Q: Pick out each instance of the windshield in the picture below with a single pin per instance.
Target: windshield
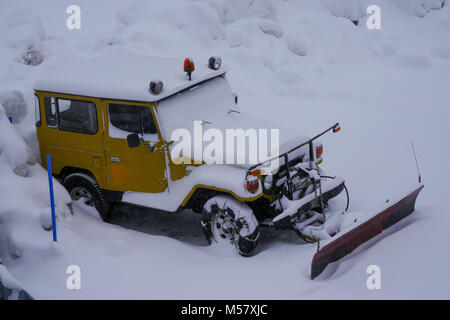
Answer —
(209, 102)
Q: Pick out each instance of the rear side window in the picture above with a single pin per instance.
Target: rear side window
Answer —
(77, 116)
(71, 115)
(37, 112)
(130, 119)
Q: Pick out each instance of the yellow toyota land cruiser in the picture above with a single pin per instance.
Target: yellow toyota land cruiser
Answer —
(108, 124)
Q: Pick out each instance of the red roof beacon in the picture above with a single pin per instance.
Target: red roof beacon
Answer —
(189, 67)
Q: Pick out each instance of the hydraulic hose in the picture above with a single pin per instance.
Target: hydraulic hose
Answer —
(346, 192)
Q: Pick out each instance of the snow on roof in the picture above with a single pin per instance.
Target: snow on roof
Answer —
(123, 75)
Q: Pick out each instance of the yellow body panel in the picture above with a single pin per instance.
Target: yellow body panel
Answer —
(139, 169)
(73, 149)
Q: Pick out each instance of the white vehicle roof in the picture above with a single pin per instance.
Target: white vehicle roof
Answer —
(124, 76)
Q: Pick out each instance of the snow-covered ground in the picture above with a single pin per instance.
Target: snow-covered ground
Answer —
(303, 64)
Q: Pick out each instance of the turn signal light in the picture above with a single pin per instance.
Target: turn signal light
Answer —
(252, 185)
(256, 173)
(319, 151)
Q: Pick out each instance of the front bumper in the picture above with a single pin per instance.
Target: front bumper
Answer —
(293, 209)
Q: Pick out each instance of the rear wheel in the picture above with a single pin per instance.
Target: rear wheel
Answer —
(83, 186)
(226, 220)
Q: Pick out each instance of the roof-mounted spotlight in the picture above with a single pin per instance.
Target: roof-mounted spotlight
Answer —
(189, 67)
(214, 63)
(156, 86)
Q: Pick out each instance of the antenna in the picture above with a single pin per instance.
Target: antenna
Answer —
(417, 164)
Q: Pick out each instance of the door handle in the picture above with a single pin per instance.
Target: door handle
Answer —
(114, 159)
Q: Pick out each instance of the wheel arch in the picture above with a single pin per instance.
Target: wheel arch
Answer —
(68, 170)
(199, 194)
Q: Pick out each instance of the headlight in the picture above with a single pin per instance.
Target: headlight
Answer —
(268, 182)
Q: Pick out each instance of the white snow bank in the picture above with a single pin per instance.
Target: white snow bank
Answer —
(10, 288)
(13, 150)
(21, 221)
(23, 197)
(350, 9)
(232, 10)
(14, 104)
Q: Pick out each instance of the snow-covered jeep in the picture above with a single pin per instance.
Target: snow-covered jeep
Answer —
(108, 124)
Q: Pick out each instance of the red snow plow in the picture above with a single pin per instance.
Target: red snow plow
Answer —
(345, 242)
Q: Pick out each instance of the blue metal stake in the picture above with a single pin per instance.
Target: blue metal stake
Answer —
(52, 197)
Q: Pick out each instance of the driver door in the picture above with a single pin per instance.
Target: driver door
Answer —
(142, 168)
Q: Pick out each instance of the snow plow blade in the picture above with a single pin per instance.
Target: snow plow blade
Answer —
(363, 232)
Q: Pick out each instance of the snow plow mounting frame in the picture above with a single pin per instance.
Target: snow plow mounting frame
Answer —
(285, 156)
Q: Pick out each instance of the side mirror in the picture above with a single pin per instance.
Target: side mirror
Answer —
(133, 140)
(235, 97)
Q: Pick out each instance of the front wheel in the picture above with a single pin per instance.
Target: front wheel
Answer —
(225, 219)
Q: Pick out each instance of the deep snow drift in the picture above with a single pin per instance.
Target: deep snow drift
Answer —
(303, 64)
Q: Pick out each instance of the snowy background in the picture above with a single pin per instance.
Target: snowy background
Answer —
(303, 64)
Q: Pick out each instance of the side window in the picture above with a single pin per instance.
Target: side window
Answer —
(50, 112)
(37, 111)
(77, 116)
(126, 119)
(147, 121)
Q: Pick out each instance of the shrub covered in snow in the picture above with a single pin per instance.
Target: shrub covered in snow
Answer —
(232, 10)
(354, 10)
(419, 7)
(21, 37)
(350, 9)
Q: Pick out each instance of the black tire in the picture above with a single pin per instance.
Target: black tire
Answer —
(245, 244)
(83, 181)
